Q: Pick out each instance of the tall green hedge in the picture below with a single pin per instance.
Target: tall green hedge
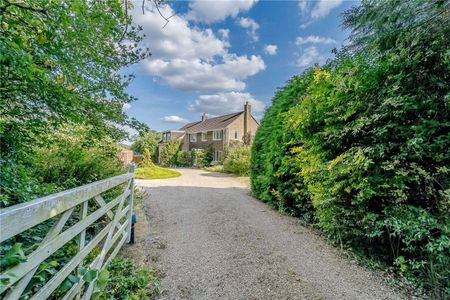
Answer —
(273, 171)
(361, 146)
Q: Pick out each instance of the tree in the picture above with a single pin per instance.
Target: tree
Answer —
(60, 65)
(147, 139)
(60, 62)
(147, 158)
(169, 153)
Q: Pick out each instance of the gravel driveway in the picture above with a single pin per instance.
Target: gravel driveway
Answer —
(212, 240)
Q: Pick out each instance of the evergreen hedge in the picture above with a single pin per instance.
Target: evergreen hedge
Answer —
(361, 145)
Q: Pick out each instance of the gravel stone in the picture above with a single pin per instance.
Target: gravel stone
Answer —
(212, 240)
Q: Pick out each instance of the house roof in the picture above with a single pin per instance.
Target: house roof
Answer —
(209, 124)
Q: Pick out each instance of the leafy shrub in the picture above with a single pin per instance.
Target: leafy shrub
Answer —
(274, 172)
(184, 159)
(73, 157)
(146, 159)
(208, 156)
(198, 156)
(18, 184)
(361, 145)
(215, 168)
(237, 160)
(149, 140)
(168, 156)
(127, 281)
(202, 158)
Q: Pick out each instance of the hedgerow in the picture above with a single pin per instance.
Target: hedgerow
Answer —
(360, 146)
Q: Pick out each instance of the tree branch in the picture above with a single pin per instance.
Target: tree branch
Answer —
(126, 23)
(157, 2)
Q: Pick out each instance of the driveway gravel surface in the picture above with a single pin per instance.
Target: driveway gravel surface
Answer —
(212, 240)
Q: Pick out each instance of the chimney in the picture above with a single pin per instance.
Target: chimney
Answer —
(204, 117)
(247, 116)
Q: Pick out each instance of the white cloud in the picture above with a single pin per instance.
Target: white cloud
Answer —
(309, 57)
(324, 7)
(199, 75)
(214, 11)
(223, 103)
(251, 27)
(192, 58)
(303, 6)
(271, 49)
(176, 39)
(126, 106)
(225, 33)
(314, 39)
(311, 11)
(175, 119)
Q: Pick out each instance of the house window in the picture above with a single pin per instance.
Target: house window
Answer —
(203, 136)
(217, 155)
(193, 137)
(236, 134)
(217, 135)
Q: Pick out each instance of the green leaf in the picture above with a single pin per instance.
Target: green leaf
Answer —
(90, 275)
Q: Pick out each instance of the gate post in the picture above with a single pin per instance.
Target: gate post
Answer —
(130, 203)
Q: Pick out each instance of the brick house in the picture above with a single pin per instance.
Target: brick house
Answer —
(219, 132)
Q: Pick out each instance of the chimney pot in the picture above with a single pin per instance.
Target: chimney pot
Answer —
(204, 117)
(247, 108)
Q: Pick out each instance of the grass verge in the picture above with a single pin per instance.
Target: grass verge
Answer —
(155, 172)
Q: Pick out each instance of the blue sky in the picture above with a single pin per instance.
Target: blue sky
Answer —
(213, 56)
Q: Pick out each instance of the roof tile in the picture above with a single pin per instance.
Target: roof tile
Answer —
(211, 123)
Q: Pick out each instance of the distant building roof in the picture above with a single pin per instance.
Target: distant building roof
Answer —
(209, 124)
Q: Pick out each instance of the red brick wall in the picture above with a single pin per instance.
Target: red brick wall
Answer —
(199, 144)
(126, 156)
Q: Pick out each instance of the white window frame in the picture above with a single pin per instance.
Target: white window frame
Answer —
(217, 135)
(217, 156)
(193, 137)
(236, 135)
(204, 136)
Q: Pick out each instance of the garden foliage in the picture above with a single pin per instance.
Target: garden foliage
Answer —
(147, 139)
(61, 110)
(126, 281)
(237, 160)
(360, 146)
(169, 153)
(173, 156)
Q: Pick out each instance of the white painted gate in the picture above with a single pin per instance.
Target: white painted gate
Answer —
(16, 219)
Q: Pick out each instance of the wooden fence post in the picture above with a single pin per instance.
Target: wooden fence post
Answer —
(130, 203)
